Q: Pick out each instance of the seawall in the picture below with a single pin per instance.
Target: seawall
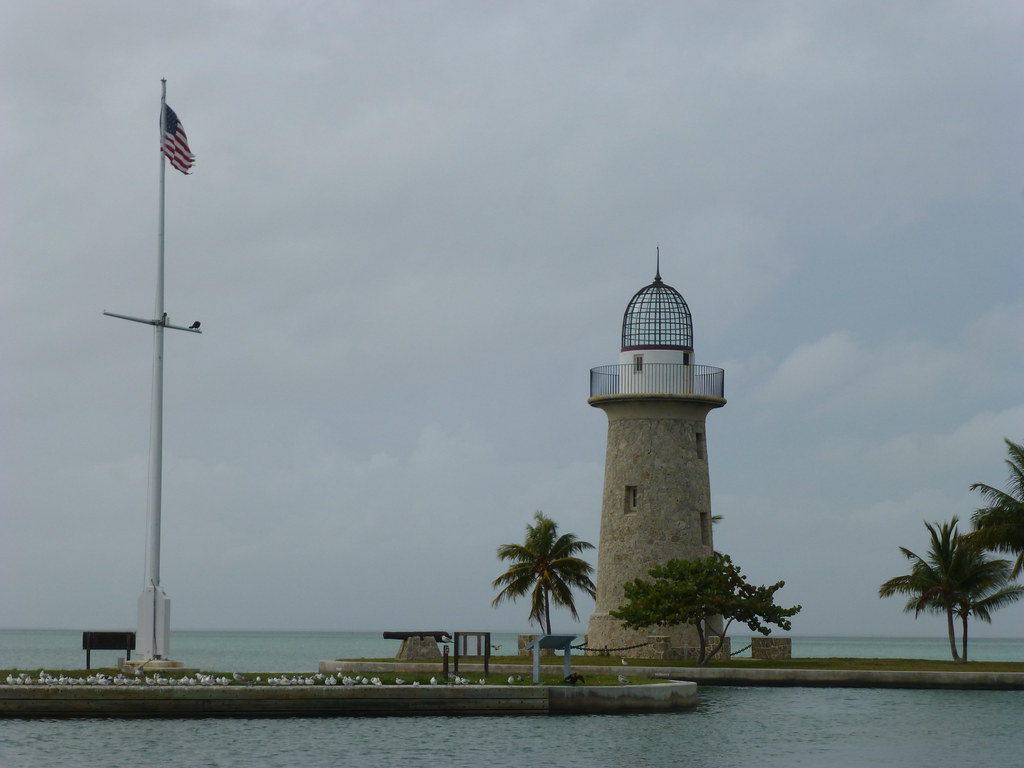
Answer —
(955, 680)
(60, 701)
(811, 678)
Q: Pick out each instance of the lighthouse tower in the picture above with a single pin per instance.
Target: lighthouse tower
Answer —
(657, 492)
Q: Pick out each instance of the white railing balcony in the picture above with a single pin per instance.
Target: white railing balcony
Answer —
(657, 378)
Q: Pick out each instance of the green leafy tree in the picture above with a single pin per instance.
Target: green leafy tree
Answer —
(955, 578)
(695, 592)
(999, 527)
(546, 567)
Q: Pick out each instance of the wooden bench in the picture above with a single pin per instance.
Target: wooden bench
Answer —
(107, 641)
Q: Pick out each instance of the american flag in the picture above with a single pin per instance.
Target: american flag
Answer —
(175, 143)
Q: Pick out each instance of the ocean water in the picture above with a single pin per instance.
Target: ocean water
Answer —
(212, 651)
(33, 650)
(730, 727)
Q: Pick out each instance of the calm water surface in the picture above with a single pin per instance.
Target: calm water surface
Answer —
(732, 727)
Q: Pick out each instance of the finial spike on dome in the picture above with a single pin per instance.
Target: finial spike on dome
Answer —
(657, 269)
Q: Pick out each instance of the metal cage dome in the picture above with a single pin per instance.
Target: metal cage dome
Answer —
(657, 317)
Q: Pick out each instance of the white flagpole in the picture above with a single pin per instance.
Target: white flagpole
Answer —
(154, 606)
(154, 627)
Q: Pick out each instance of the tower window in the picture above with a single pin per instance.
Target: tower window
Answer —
(638, 363)
(631, 498)
(701, 447)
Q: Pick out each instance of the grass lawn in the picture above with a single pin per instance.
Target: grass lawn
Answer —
(298, 678)
(579, 665)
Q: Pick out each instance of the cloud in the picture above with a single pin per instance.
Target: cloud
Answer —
(412, 230)
(812, 369)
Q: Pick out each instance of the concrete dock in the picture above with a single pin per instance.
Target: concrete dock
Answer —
(678, 692)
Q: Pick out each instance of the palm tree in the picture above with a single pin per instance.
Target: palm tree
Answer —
(545, 565)
(957, 579)
(1000, 526)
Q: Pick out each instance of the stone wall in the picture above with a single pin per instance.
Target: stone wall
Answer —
(692, 652)
(771, 648)
(656, 506)
(660, 647)
(418, 648)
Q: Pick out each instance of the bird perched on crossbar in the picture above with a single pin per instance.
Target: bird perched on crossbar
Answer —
(195, 326)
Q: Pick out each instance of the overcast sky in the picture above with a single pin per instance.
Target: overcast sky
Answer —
(412, 229)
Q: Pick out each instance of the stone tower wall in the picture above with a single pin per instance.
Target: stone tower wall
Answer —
(656, 505)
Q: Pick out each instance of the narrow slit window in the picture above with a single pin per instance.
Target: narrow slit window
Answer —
(638, 363)
(631, 498)
(701, 447)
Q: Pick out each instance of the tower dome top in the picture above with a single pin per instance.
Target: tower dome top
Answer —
(657, 317)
